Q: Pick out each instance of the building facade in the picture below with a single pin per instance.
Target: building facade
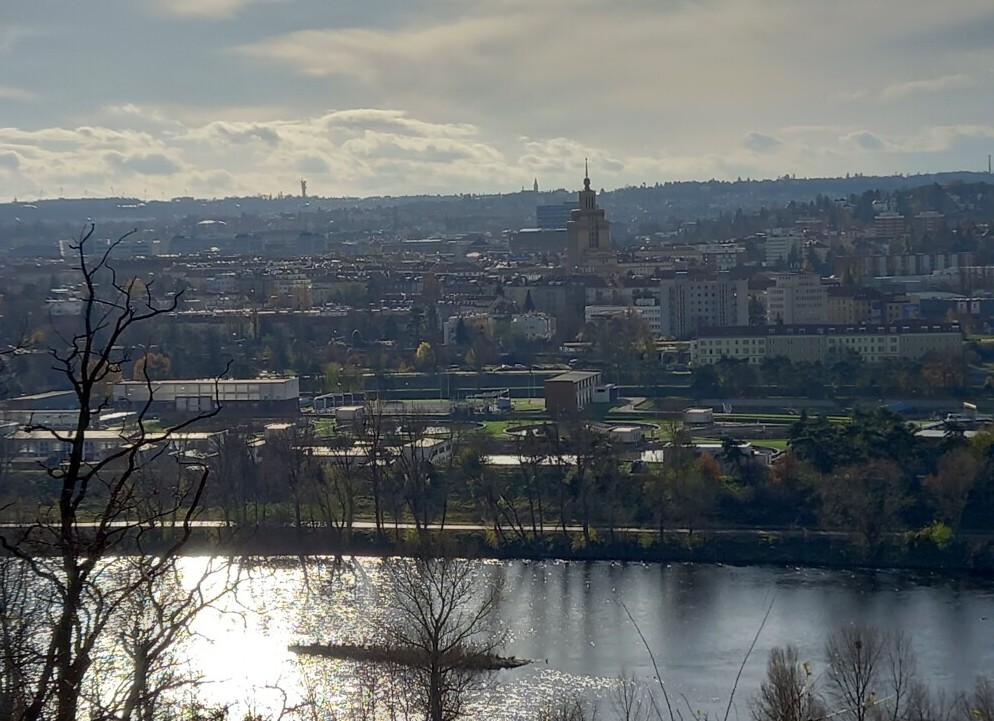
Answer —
(875, 343)
(648, 309)
(589, 248)
(268, 396)
(569, 393)
(535, 325)
(687, 305)
(796, 298)
(783, 249)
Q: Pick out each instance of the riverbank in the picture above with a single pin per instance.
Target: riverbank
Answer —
(966, 554)
(972, 555)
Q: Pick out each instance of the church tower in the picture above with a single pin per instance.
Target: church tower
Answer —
(588, 232)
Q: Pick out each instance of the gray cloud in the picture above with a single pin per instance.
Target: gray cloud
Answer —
(482, 96)
(865, 140)
(245, 133)
(205, 9)
(394, 121)
(18, 94)
(761, 143)
(313, 164)
(898, 91)
(9, 160)
(151, 164)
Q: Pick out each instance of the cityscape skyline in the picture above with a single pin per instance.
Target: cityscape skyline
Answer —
(242, 97)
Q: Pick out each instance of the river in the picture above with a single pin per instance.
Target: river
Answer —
(570, 619)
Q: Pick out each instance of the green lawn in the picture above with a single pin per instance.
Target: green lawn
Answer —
(779, 443)
(497, 429)
(528, 404)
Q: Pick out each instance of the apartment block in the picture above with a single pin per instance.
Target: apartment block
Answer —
(796, 298)
(875, 343)
(688, 305)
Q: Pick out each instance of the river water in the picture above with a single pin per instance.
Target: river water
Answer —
(570, 619)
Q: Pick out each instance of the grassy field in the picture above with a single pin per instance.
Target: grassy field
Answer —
(497, 429)
(528, 404)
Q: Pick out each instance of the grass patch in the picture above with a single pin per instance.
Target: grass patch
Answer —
(497, 429)
(779, 443)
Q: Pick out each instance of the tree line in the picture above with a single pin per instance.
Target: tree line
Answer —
(872, 477)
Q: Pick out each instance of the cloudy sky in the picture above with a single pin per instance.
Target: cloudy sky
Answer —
(158, 98)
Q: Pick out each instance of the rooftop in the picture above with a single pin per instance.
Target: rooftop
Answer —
(573, 376)
(757, 331)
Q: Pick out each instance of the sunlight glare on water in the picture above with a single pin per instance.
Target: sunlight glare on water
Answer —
(568, 619)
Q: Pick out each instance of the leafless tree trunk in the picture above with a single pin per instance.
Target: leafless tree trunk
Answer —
(569, 708)
(855, 659)
(290, 462)
(443, 614)
(101, 511)
(979, 703)
(372, 433)
(424, 490)
(786, 694)
(235, 488)
(632, 701)
(902, 675)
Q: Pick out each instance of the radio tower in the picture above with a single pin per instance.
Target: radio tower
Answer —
(303, 189)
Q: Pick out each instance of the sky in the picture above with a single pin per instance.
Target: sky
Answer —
(154, 99)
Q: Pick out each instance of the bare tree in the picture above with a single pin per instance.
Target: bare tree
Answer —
(443, 614)
(632, 701)
(570, 708)
(20, 622)
(424, 488)
(786, 693)
(141, 666)
(289, 456)
(373, 438)
(532, 456)
(979, 702)
(855, 662)
(589, 446)
(235, 487)
(901, 675)
(336, 489)
(68, 561)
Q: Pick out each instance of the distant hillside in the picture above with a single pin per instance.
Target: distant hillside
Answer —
(685, 200)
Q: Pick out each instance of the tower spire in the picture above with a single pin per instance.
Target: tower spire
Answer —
(586, 174)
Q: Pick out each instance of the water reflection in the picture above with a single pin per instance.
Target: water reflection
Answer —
(567, 617)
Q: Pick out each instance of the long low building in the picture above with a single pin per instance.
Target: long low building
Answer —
(275, 396)
(874, 342)
(55, 446)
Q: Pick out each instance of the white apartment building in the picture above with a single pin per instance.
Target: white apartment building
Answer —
(535, 325)
(687, 305)
(796, 299)
(783, 247)
(875, 343)
(647, 308)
